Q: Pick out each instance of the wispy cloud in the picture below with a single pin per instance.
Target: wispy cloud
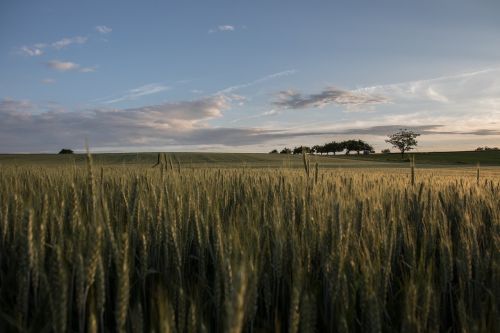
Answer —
(222, 28)
(62, 66)
(231, 89)
(291, 99)
(443, 89)
(32, 50)
(102, 29)
(88, 69)
(65, 42)
(39, 48)
(132, 94)
(65, 66)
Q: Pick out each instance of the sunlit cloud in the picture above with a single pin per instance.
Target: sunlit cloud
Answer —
(62, 66)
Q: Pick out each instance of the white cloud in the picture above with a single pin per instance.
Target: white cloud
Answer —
(48, 81)
(442, 89)
(252, 83)
(102, 29)
(62, 66)
(33, 50)
(135, 93)
(65, 42)
(39, 48)
(88, 69)
(222, 28)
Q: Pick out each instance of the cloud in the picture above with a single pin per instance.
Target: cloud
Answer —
(48, 81)
(222, 28)
(62, 66)
(39, 48)
(291, 99)
(65, 66)
(102, 29)
(33, 50)
(442, 89)
(252, 83)
(135, 93)
(88, 69)
(28, 127)
(65, 42)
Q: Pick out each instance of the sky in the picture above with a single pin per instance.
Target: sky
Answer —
(247, 76)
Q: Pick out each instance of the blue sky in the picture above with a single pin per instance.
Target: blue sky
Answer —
(247, 76)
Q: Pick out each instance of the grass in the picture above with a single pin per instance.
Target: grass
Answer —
(187, 160)
(491, 158)
(260, 160)
(121, 246)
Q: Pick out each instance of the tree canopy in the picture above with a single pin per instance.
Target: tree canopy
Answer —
(404, 140)
(65, 151)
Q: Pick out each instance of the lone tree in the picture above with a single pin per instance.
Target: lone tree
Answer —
(66, 151)
(404, 140)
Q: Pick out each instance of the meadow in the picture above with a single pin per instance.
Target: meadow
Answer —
(221, 243)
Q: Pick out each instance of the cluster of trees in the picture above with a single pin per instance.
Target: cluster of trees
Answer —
(404, 140)
(330, 147)
(486, 148)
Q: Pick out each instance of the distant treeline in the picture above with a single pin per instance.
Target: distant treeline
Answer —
(486, 148)
(331, 147)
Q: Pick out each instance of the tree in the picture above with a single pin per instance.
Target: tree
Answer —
(404, 140)
(351, 145)
(316, 149)
(299, 150)
(361, 145)
(368, 148)
(285, 151)
(274, 151)
(386, 151)
(334, 147)
(65, 151)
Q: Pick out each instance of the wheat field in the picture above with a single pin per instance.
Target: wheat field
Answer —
(180, 249)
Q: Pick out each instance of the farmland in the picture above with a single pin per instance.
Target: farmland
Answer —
(455, 158)
(246, 242)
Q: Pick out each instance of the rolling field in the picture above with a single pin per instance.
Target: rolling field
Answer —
(455, 158)
(187, 160)
(246, 243)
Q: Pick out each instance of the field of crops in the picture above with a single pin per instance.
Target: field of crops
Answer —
(489, 157)
(188, 248)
